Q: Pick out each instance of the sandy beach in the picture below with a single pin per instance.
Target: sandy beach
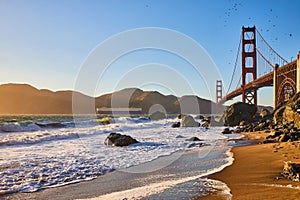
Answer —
(255, 173)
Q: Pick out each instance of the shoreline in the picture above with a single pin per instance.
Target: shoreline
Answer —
(178, 176)
(255, 172)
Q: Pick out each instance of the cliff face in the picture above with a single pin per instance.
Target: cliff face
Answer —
(25, 99)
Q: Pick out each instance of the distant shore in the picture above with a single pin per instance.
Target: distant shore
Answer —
(255, 173)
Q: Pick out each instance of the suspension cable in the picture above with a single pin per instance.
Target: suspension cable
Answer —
(235, 64)
(264, 57)
(270, 46)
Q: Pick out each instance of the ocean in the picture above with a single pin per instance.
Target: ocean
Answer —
(40, 152)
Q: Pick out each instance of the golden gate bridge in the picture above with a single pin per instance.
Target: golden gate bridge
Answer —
(258, 65)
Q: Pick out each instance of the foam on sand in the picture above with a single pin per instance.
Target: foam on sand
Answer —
(158, 187)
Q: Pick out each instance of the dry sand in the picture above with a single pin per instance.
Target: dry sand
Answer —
(255, 173)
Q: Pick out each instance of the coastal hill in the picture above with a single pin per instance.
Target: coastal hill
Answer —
(25, 99)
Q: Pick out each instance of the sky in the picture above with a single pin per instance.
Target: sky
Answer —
(47, 43)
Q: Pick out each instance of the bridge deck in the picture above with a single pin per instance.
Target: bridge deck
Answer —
(263, 81)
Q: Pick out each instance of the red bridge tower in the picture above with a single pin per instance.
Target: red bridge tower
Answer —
(249, 63)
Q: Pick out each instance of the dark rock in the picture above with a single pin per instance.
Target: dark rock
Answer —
(295, 135)
(205, 125)
(195, 145)
(200, 117)
(180, 136)
(189, 121)
(274, 135)
(264, 113)
(269, 141)
(194, 139)
(177, 125)
(116, 139)
(226, 131)
(283, 138)
(157, 115)
(291, 171)
(243, 123)
(238, 112)
(207, 119)
(288, 112)
(238, 130)
(262, 124)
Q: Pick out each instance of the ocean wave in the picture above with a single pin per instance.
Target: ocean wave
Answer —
(16, 127)
(56, 156)
(34, 133)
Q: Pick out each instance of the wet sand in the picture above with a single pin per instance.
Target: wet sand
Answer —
(255, 173)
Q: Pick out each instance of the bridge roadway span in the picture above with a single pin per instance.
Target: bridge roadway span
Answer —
(263, 81)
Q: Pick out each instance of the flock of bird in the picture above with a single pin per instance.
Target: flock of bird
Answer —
(271, 22)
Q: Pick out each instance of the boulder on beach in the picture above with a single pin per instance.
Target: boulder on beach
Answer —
(176, 125)
(289, 112)
(238, 112)
(291, 171)
(205, 125)
(157, 115)
(200, 117)
(189, 121)
(227, 131)
(117, 139)
(264, 113)
(193, 139)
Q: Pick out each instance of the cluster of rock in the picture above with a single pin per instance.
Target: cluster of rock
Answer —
(189, 121)
(283, 124)
(261, 122)
(237, 113)
(289, 112)
(291, 171)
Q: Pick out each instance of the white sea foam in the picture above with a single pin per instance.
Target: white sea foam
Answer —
(33, 160)
(275, 185)
(158, 187)
(11, 127)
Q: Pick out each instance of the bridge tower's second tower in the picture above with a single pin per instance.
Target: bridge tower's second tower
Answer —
(249, 63)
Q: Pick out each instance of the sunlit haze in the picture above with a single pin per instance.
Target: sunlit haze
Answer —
(44, 43)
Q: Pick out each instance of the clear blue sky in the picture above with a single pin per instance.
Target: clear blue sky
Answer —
(44, 42)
